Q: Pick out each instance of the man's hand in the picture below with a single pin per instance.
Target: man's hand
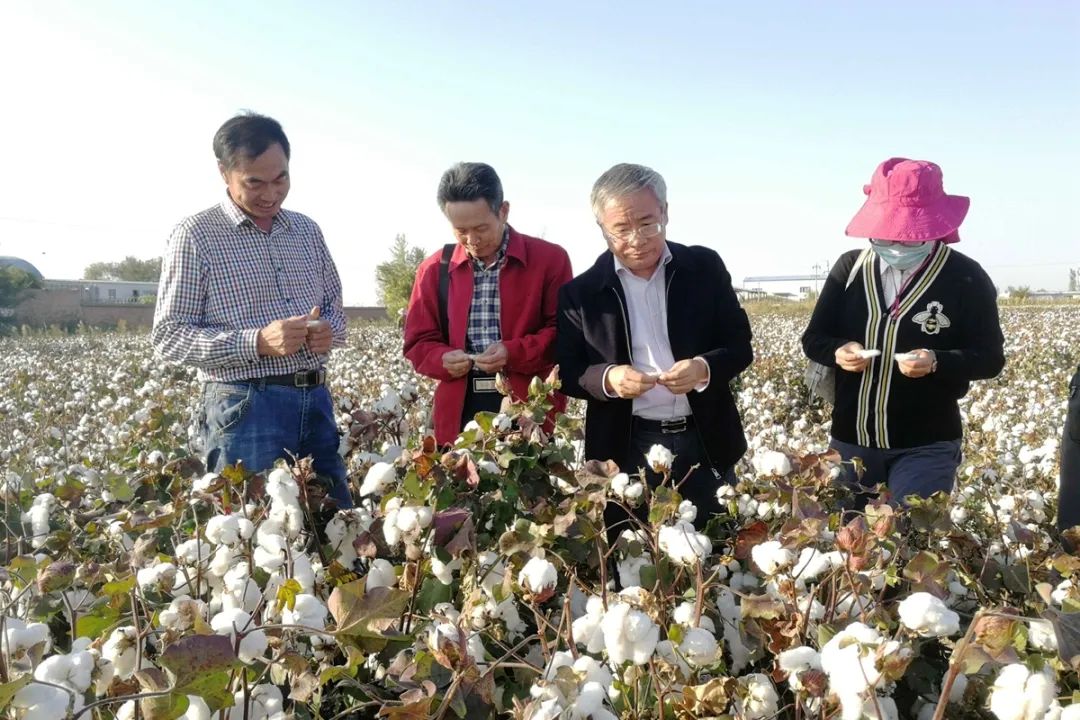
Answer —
(847, 357)
(493, 359)
(628, 383)
(684, 376)
(457, 363)
(918, 363)
(282, 337)
(320, 336)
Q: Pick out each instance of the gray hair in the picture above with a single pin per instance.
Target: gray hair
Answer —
(624, 179)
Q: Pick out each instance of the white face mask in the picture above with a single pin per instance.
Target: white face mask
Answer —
(902, 256)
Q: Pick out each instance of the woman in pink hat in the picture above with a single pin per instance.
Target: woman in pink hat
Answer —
(907, 323)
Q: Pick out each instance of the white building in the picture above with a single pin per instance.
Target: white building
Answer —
(107, 292)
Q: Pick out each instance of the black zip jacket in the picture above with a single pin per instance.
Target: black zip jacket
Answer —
(949, 307)
(704, 319)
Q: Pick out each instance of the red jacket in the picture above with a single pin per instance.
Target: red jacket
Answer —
(529, 285)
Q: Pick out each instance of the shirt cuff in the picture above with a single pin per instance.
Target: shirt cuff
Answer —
(603, 383)
(701, 387)
(249, 345)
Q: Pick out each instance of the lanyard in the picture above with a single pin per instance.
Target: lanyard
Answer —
(894, 309)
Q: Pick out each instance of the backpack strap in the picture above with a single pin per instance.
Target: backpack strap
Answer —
(444, 291)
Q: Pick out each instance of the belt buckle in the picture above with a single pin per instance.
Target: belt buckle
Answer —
(305, 378)
(672, 427)
(484, 385)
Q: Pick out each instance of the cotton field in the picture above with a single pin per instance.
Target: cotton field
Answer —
(478, 582)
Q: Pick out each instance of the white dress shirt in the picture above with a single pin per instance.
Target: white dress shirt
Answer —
(646, 301)
(892, 279)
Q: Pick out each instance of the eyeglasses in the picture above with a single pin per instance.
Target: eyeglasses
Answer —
(645, 232)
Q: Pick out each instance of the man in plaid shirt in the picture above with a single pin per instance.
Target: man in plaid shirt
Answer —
(250, 296)
(502, 299)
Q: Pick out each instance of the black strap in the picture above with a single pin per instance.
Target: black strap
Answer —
(444, 291)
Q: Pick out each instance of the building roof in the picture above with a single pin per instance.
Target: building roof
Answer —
(7, 261)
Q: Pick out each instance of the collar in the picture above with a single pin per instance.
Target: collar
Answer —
(239, 218)
(665, 258)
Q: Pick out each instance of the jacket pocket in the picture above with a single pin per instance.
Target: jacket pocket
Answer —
(227, 405)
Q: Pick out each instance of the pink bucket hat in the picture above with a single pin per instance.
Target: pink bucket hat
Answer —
(908, 204)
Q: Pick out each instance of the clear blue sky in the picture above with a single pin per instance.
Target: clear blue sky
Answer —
(765, 118)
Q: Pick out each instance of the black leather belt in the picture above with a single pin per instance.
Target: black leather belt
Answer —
(665, 427)
(300, 379)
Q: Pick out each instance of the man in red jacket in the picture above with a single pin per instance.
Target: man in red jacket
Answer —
(502, 292)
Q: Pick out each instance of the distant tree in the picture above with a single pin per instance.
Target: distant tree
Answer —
(394, 278)
(130, 268)
(1019, 293)
(14, 283)
(1074, 280)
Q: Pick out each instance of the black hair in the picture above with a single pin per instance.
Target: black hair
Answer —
(469, 181)
(247, 135)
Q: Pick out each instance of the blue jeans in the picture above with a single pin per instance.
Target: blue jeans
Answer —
(922, 470)
(257, 423)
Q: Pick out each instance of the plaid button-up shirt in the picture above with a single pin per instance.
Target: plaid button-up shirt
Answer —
(484, 328)
(223, 279)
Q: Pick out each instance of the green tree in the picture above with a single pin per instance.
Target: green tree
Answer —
(394, 278)
(130, 268)
(13, 285)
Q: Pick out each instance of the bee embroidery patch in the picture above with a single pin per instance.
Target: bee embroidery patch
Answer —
(932, 319)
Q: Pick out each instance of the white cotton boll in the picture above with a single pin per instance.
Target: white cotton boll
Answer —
(724, 494)
(687, 511)
(197, 709)
(1041, 636)
(589, 701)
(1071, 712)
(266, 703)
(161, 575)
(886, 706)
(799, 659)
(42, 701)
(444, 572)
(683, 544)
(771, 463)
(194, 551)
(684, 615)
(659, 458)
(629, 634)
(120, 650)
(730, 624)
(226, 529)
(586, 629)
(381, 574)
(538, 576)
(307, 610)
(666, 651)
(224, 559)
(379, 477)
(507, 613)
(181, 613)
(811, 565)
(629, 570)
(38, 519)
(270, 552)
(303, 572)
(491, 570)
(771, 556)
(928, 616)
(698, 646)
(760, 700)
(230, 622)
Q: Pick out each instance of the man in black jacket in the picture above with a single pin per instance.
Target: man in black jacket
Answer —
(651, 336)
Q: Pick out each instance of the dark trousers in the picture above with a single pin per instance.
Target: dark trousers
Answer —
(1069, 495)
(922, 470)
(699, 488)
